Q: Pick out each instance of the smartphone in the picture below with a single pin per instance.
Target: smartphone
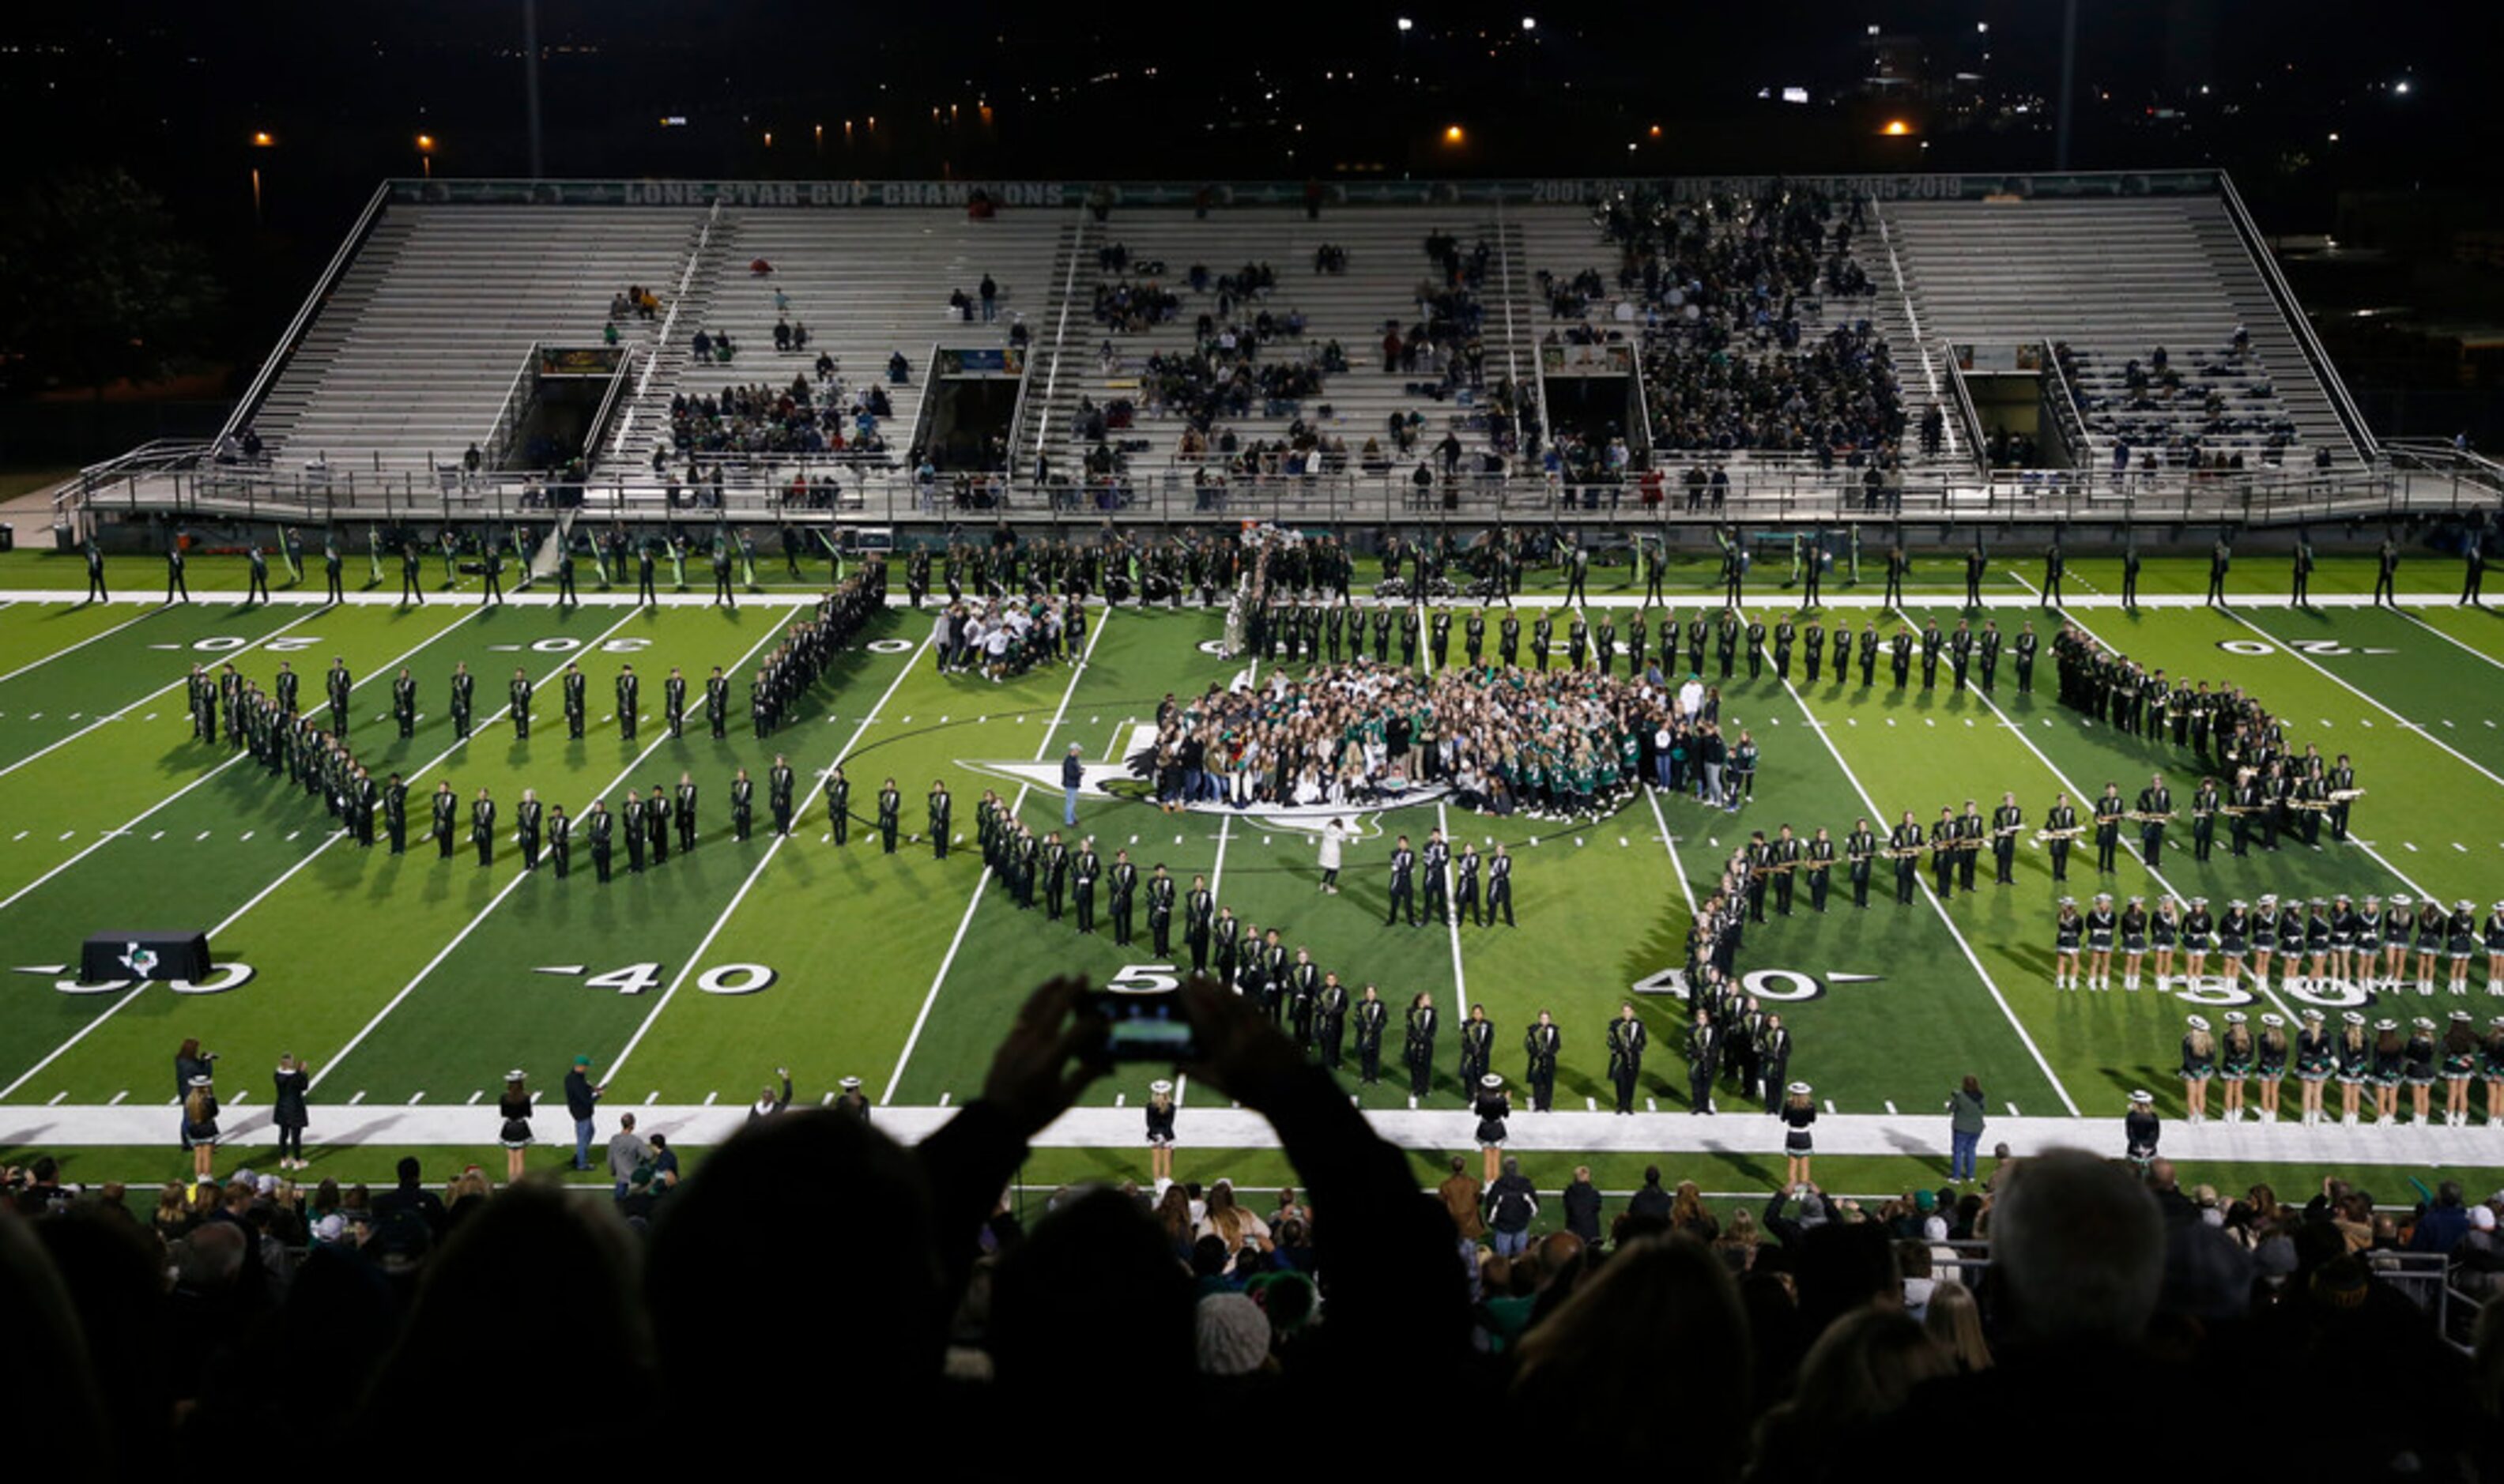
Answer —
(1147, 1025)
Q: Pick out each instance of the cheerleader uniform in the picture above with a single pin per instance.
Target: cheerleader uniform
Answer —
(2316, 933)
(2199, 929)
(2495, 932)
(2316, 1054)
(2356, 1062)
(2291, 930)
(2368, 932)
(2396, 923)
(2264, 931)
(2343, 927)
(2490, 1055)
(2164, 931)
(2234, 932)
(2464, 935)
(515, 1108)
(2387, 1064)
(2099, 931)
(1796, 1142)
(2066, 933)
(2269, 1056)
(1160, 1124)
(2459, 1064)
(2134, 930)
(1492, 1109)
(2431, 930)
(2418, 1059)
(2196, 1065)
(2234, 1063)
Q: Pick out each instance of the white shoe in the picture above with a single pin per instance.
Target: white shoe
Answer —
(2386, 1120)
(2346, 1120)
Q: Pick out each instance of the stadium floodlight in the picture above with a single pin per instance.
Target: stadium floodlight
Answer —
(1407, 24)
(2400, 86)
(1530, 22)
(1453, 134)
(1896, 128)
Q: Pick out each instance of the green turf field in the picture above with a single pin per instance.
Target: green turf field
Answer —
(411, 983)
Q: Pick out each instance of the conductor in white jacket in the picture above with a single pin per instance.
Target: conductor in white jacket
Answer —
(1333, 849)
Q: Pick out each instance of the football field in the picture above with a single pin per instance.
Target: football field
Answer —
(412, 983)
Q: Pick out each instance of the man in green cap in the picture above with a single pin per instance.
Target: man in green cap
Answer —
(582, 1100)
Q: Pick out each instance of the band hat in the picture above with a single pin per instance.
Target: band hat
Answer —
(2198, 1022)
(201, 1079)
(2274, 1021)
(2236, 1017)
(2354, 1017)
(2463, 1016)
(2372, 897)
(2312, 1015)
(1161, 1087)
(1799, 1089)
(850, 1084)
(2423, 1024)
(2199, 901)
(2141, 1098)
(2239, 905)
(515, 1074)
(2463, 904)
(2387, 1025)
(1491, 1081)
(2321, 901)
(2134, 901)
(2069, 901)
(2498, 1022)
(2400, 899)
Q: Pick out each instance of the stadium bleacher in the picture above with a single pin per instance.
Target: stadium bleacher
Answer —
(414, 355)
(2113, 280)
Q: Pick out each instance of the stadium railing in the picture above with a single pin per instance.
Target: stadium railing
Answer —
(2359, 432)
(188, 482)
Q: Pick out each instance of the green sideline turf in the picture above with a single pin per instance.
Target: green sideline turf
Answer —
(416, 978)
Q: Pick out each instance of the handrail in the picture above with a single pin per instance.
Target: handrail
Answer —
(1060, 347)
(502, 431)
(1977, 442)
(2077, 423)
(289, 338)
(661, 343)
(598, 433)
(1913, 319)
(2307, 344)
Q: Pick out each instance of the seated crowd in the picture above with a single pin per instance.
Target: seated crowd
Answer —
(2116, 1319)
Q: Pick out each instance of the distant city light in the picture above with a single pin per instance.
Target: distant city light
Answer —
(2334, 136)
(1408, 24)
(261, 139)
(1982, 27)
(1530, 22)
(1873, 31)
(1453, 134)
(674, 120)
(1897, 127)
(2400, 86)
(1795, 95)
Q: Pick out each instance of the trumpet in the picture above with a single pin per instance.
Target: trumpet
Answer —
(2071, 833)
(2343, 795)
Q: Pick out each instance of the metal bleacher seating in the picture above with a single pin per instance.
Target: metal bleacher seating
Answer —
(2113, 280)
(1385, 264)
(866, 284)
(413, 355)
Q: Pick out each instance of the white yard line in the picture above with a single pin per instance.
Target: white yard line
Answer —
(1677, 868)
(2127, 843)
(2294, 653)
(81, 645)
(219, 931)
(1452, 917)
(2464, 647)
(2379, 857)
(982, 881)
(1936, 906)
(816, 789)
(120, 711)
(773, 631)
(135, 820)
